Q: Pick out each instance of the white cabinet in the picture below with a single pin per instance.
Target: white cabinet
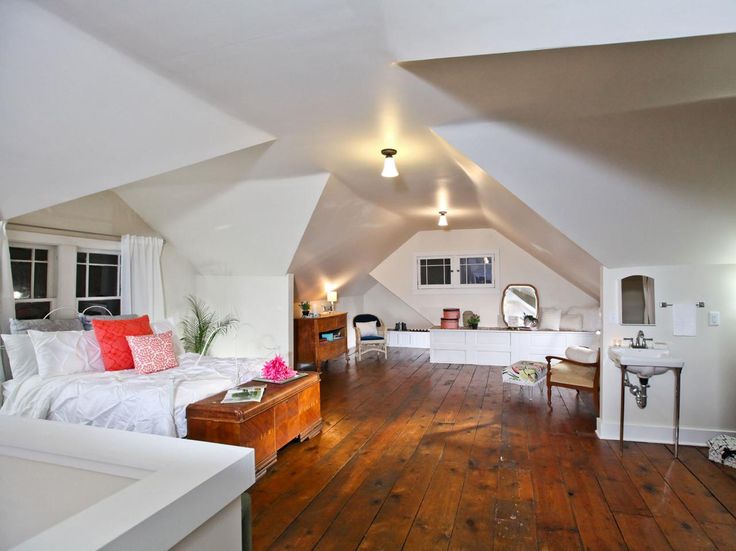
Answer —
(498, 347)
(408, 339)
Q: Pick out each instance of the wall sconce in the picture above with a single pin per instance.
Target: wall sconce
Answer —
(443, 218)
(389, 164)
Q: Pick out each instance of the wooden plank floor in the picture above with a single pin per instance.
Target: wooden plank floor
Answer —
(426, 456)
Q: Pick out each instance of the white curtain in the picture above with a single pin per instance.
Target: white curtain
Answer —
(7, 302)
(141, 284)
(648, 284)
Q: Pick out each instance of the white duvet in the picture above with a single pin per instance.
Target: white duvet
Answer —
(154, 404)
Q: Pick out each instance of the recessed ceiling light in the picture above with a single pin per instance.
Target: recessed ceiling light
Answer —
(389, 164)
(443, 218)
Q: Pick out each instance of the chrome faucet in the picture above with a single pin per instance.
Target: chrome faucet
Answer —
(640, 341)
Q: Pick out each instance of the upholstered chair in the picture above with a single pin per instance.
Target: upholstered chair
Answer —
(579, 370)
(368, 342)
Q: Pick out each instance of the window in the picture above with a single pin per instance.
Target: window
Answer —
(98, 281)
(476, 270)
(31, 271)
(466, 271)
(435, 272)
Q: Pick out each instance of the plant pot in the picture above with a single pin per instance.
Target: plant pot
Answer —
(305, 313)
(473, 325)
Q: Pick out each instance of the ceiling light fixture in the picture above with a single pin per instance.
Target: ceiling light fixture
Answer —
(389, 164)
(443, 218)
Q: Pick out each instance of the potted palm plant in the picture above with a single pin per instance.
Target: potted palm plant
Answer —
(202, 326)
(306, 307)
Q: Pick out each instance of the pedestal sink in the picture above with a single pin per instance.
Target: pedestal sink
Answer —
(646, 363)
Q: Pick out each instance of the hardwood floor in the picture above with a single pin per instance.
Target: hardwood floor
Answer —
(423, 456)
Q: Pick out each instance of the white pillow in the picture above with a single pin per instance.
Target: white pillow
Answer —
(581, 354)
(169, 324)
(591, 317)
(66, 352)
(571, 322)
(367, 328)
(22, 356)
(550, 319)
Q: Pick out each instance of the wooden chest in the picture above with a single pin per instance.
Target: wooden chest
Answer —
(287, 411)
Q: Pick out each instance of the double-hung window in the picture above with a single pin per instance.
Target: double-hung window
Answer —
(98, 281)
(32, 267)
(456, 271)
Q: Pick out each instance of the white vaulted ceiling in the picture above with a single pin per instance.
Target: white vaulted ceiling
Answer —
(543, 121)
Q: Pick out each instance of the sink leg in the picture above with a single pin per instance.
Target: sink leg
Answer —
(621, 422)
(677, 410)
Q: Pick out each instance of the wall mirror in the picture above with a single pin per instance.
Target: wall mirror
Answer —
(637, 300)
(519, 301)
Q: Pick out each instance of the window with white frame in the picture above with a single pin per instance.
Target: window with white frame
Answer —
(456, 271)
(98, 281)
(32, 271)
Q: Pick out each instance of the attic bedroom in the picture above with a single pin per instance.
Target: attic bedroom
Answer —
(349, 275)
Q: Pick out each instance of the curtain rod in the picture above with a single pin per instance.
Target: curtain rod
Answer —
(19, 226)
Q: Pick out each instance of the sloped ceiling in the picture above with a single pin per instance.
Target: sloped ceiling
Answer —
(134, 90)
(79, 116)
(627, 148)
(224, 221)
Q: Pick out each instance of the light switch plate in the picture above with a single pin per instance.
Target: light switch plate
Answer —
(714, 319)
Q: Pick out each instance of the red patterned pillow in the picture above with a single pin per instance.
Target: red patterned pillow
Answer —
(152, 353)
(111, 336)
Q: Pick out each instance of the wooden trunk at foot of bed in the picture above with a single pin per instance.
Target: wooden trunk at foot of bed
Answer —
(286, 412)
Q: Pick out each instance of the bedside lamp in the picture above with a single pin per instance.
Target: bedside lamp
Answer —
(332, 299)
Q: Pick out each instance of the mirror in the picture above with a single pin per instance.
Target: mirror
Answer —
(520, 301)
(637, 300)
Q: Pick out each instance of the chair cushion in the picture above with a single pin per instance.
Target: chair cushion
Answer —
(366, 317)
(367, 329)
(371, 338)
(581, 354)
(571, 374)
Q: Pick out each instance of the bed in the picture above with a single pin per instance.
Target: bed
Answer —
(154, 403)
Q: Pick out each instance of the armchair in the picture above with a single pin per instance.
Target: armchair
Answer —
(582, 372)
(368, 343)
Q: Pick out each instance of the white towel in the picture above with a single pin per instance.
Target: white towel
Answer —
(683, 320)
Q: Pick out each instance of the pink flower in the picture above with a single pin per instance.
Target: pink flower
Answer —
(277, 370)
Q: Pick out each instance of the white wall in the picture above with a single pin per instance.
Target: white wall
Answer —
(709, 376)
(397, 274)
(383, 303)
(264, 306)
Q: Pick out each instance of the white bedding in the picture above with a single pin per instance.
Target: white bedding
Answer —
(154, 404)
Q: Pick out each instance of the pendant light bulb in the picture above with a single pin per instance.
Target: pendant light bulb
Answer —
(389, 164)
(443, 218)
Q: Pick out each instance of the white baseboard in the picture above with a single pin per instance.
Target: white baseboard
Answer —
(659, 434)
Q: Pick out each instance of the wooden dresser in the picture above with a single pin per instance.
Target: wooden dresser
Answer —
(287, 411)
(311, 338)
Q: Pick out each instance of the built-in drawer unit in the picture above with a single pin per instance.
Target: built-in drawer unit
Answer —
(408, 339)
(499, 347)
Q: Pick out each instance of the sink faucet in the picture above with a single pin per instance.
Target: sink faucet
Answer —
(640, 341)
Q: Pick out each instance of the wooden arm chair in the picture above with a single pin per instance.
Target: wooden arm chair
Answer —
(368, 343)
(574, 374)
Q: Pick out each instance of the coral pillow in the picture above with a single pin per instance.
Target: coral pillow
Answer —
(152, 353)
(113, 345)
